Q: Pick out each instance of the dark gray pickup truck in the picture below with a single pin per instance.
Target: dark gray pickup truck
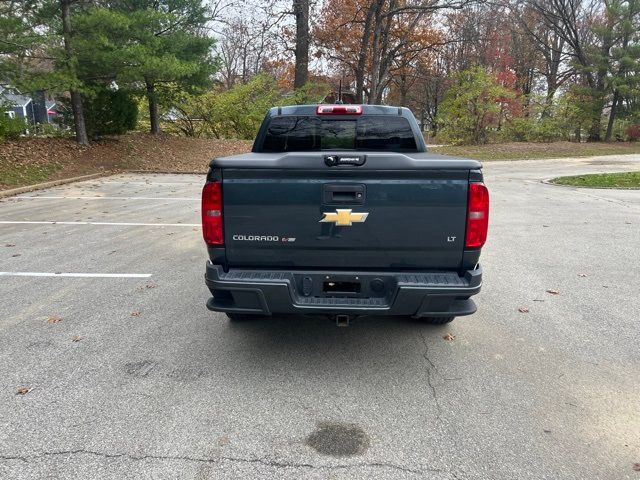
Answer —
(340, 211)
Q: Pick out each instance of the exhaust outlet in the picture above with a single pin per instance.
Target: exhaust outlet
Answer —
(342, 320)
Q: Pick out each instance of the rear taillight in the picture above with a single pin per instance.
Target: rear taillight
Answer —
(212, 213)
(339, 110)
(477, 215)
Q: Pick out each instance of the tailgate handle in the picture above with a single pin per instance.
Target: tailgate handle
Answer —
(343, 194)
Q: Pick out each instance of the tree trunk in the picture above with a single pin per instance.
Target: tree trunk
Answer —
(386, 57)
(76, 98)
(403, 90)
(554, 59)
(364, 46)
(632, 10)
(78, 118)
(375, 57)
(301, 12)
(596, 122)
(548, 103)
(153, 107)
(434, 118)
(600, 90)
(612, 116)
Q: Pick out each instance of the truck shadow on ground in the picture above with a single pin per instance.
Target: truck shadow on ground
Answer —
(302, 343)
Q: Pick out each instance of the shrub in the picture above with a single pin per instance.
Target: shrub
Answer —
(473, 108)
(110, 112)
(11, 128)
(53, 130)
(633, 132)
(548, 129)
(517, 130)
(238, 112)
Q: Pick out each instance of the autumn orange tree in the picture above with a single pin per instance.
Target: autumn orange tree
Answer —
(378, 41)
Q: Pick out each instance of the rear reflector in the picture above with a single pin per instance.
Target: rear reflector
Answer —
(212, 213)
(339, 110)
(477, 215)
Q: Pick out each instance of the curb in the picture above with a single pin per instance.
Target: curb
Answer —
(53, 183)
(549, 182)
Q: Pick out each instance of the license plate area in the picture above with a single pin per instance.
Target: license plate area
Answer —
(336, 287)
(344, 285)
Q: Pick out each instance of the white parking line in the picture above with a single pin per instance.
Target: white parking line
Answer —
(78, 275)
(17, 222)
(96, 197)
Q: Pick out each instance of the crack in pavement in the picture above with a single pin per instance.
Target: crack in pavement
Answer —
(262, 461)
(431, 368)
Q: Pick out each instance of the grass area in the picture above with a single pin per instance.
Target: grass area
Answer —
(533, 151)
(16, 175)
(629, 180)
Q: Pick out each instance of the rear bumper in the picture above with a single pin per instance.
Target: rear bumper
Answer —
(268, 292)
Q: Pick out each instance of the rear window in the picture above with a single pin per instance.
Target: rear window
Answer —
(378, 133)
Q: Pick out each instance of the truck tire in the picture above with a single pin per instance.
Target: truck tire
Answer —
(437, 320)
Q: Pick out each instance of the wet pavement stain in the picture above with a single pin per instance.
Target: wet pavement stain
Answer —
(338, 439)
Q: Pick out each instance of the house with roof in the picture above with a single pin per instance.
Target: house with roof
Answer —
(33, 109)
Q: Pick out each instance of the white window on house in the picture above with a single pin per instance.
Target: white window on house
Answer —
(10, 114)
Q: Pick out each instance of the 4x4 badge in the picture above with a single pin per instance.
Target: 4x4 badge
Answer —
(344, 217)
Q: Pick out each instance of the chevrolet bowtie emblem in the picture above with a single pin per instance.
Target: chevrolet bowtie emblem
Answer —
(344, 217)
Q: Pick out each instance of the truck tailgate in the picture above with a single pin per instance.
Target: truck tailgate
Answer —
(414, 218)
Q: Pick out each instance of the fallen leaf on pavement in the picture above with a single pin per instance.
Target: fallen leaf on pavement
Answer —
(16, 255)
(223, 440)
(449, 338)
(10, 245)
(24, 390)
(523, 309)
(136, 313)
(582, 274)
(54, 319)
(151, 285)
(636, 467)
(546, 431)
(552, 291)
(76, 338)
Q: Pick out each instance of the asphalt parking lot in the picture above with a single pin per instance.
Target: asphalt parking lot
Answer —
(129, 376)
